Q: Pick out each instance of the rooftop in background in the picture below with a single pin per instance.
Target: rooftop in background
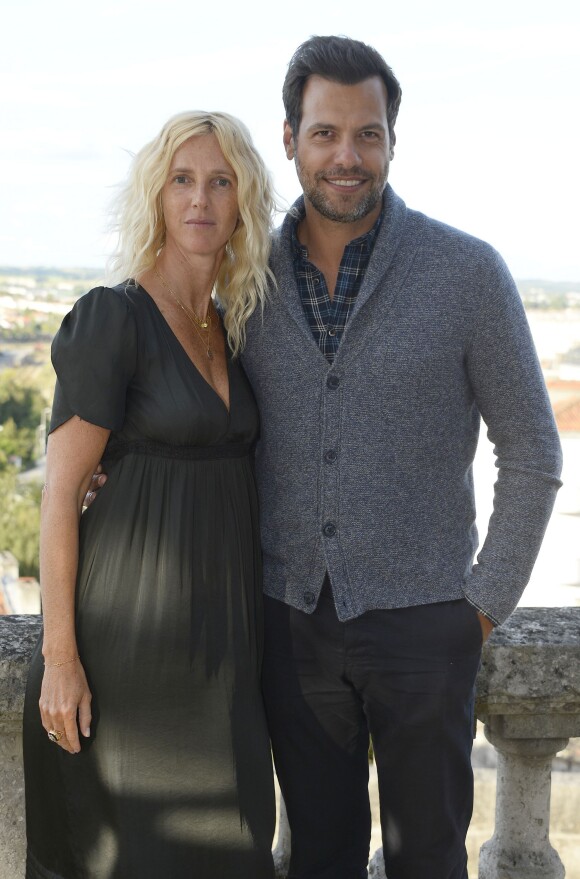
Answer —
(565, 396)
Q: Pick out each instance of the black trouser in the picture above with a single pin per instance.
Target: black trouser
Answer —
(406, 676)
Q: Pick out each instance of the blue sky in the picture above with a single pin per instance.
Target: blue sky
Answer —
(488, 137)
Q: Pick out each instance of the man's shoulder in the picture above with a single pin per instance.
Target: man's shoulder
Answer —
(281, 245)
(283, 232)
(276, 236)
(442, 233)
(449, 248)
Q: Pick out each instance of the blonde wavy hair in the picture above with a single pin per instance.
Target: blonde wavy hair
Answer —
(244, 277)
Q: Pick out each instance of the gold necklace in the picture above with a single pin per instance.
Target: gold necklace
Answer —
(201, 322)
(197, 323)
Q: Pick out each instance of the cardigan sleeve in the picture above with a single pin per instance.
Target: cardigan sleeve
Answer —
(511, 395)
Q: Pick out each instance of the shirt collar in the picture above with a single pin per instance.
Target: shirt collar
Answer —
(367, 240)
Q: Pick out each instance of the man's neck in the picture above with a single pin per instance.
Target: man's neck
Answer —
(326, 239)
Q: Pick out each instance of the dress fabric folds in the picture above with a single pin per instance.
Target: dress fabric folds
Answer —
(176, 778)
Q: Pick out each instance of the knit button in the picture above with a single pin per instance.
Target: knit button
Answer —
(309, 597)
(329, 529)
(317, 280)
(332, 382)
(330, 456)
(332, 332)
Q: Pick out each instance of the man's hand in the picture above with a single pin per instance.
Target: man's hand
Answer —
(486, 624)
(97, 482)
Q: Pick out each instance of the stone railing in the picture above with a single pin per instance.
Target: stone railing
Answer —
(528, 696)
(529, 701)
(18, 635)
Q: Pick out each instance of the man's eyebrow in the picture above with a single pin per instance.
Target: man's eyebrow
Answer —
(330, 126)
(323, 125)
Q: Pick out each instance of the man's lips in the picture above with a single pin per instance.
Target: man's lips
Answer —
(346, 182)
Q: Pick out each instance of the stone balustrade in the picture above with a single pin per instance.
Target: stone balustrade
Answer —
(528, 696)
(529, 700)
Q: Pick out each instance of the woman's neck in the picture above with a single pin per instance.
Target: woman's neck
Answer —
(192, 279)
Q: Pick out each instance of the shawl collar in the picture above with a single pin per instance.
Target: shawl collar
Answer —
(384, 250)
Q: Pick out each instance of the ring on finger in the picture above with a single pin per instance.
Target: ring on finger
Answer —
(55, 735)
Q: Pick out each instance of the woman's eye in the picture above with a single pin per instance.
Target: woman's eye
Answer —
(222, 182)
(180, 178)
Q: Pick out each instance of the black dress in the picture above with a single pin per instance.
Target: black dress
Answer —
(176, 779)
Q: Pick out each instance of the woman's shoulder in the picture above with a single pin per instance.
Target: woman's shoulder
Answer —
(95, 356)
(104, 316)
(103, 305)
(118, 296)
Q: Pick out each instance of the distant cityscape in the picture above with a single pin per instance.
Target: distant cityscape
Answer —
(33, 302)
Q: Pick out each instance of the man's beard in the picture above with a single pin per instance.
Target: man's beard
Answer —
(328, 208)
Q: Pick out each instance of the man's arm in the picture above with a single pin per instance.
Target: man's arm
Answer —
(511, 395)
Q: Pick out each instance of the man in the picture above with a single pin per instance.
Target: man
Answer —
(387, 338)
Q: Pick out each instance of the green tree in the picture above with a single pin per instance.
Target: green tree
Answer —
(20, 521)
(15, 443)
(21, 407)
(20, 401)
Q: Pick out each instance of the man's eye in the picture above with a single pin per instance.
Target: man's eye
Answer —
(369, 135)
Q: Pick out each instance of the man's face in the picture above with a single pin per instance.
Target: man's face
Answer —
(342, 150)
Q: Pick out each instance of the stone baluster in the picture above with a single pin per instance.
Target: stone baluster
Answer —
(520, 847)
(529, 700)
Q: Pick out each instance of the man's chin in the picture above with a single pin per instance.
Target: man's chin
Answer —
(345, 213)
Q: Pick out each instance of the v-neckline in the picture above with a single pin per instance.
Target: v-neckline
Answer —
(188, 358)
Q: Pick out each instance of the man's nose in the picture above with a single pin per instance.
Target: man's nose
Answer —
(347, 152)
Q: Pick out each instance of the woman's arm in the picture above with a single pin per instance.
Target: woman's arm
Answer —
(73, 452)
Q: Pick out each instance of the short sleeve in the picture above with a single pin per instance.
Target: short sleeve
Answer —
(94, 356)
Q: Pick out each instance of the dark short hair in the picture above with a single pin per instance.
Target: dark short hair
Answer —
(342, 60)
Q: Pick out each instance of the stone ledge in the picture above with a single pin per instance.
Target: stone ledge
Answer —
(18, 637)
(531, 665)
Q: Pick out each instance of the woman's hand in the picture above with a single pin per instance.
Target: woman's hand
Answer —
(65, 704)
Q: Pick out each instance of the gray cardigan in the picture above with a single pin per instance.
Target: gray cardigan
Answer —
(364, 467)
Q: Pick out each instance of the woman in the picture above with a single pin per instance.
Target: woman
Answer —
(152, 758)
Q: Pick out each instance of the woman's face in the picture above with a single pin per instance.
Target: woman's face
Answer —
(200, 198)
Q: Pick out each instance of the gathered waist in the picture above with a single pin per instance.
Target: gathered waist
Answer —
(117, 450)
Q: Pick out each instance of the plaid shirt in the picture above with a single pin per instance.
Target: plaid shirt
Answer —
(328, 317)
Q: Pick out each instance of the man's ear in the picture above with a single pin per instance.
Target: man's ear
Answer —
(288, 141)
